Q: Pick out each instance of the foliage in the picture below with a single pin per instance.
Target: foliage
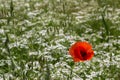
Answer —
(35, 36)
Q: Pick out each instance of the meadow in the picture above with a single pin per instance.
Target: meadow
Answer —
(35, 37)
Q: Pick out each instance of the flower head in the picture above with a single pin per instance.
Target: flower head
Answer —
(81, 51)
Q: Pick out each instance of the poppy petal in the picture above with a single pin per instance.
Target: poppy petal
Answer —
(81, 51)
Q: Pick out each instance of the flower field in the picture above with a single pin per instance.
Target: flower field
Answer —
(36, 36)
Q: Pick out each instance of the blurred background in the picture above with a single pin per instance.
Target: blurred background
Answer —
(35, 37)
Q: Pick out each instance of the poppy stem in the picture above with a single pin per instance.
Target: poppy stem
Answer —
(71, 72)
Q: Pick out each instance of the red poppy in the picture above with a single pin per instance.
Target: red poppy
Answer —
(81, 51)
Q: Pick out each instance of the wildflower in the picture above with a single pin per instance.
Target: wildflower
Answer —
(81, 51)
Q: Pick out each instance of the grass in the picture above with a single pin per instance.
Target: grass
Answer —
(35, 37)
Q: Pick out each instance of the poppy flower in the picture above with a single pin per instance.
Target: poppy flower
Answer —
(81, 51)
